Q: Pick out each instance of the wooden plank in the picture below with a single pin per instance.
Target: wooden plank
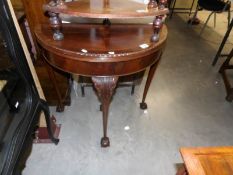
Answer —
(208, 160)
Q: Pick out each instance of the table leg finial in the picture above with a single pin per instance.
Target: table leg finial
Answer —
(162, 4)
(157, 25)
(55, 23)
(152, 4)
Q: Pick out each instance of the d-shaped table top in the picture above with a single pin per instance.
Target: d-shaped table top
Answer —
(84, 45)
(104, 52)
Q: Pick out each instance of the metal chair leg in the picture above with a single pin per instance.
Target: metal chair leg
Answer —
(215, 16)
(229, 18)
(226, 62)
(194, 16)
(191, 8)
(206, 23)
(169, 3)
(173, 7)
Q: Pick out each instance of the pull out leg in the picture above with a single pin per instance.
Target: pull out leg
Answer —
(143, 104)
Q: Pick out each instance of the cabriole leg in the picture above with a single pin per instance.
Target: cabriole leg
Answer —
(105, 87)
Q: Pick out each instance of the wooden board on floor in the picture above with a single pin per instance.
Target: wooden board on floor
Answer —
(208, 160)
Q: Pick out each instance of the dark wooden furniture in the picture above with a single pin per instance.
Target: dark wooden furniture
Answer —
(227, 66)
(128, 80)
(20, 105)
(104, 68)
(106, 9)
(207, 161)
(219, 52)
(104, 52)
(55, 83)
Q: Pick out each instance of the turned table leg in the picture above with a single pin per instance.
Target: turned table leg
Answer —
(105, 87)
(55, 20)
(143, 104)
(56, 25)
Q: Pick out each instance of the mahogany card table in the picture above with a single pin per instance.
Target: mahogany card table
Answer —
(105, 51)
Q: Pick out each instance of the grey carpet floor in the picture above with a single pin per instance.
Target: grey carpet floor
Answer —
(186, 107)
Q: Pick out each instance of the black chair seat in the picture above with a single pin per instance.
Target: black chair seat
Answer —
(214, 5)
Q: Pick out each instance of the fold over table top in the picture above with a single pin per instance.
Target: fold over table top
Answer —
(93, 49)
(106, 9)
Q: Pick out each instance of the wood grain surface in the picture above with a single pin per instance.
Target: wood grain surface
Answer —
(111, 9)
(208, 160)
(97, 50)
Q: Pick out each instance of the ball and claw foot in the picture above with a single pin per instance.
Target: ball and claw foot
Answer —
(143, 105)
(105, 142)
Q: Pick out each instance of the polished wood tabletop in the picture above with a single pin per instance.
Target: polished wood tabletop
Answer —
(106, 9)
(104, 52)
(115, 50)
(208, 160)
